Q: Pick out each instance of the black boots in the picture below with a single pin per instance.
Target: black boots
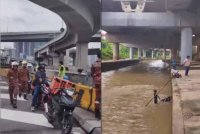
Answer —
(14, 103)
(25, 96)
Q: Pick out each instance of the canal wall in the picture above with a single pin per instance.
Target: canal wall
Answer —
(177, 114)
(186, 103)
(112, 65)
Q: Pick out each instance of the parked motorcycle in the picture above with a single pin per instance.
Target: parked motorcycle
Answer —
(60, 106)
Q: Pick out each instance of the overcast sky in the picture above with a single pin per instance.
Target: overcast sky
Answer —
(23, 15)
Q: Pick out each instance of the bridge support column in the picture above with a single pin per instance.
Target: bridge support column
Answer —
(66, 58)
(116, 51)
(164, 54)
(56, 61)
(61, 57)
(144, 53)
(139, 53)
(157, 52)
(82, 56)
(170, 53)
(186, 43)
(131, 53)
(152, 54)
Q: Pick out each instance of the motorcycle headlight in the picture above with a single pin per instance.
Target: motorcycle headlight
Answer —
(70, 92)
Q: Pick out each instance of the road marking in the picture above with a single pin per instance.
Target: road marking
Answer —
(3, 87)
(3, 82)
(25, 117)
(6, 96)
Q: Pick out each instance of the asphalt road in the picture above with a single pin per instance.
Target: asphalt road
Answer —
(22, 120)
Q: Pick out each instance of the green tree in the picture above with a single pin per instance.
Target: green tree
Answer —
(106, 50)
(124, 52)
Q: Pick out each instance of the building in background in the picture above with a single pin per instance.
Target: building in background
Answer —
(25, 50)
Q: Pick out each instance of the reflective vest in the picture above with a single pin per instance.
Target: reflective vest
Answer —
(61, 72)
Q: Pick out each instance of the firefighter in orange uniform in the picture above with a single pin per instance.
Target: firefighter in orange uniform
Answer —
(96, 74)
(13, 81)
(23, 79)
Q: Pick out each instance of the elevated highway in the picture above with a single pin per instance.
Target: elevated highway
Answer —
(163, 24)
(82, 20)
(42, 36)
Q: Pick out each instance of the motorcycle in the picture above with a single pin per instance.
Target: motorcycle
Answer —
(59, 107)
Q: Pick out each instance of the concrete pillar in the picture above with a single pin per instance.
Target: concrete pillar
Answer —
(139, 53)
(61, 57)
(56, 61)
(170, 53)
(66, 58)
(186, 43)
(131, 54)
(152, 54)
(116, 51)
(164, 54)
(82, 56)
(144, 53)
(157, 51)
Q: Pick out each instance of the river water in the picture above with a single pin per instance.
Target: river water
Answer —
(125, 93)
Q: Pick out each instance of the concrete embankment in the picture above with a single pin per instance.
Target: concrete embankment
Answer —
(186, 103)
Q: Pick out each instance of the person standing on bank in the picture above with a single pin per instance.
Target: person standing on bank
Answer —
(13, 81)
(187, 63)
(62, 70)
(24, 79)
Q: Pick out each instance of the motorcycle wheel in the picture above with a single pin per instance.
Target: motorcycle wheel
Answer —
(67, 125)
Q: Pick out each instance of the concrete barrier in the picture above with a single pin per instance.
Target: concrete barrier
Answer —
(89, 93)
(112, 65)
(88, 98)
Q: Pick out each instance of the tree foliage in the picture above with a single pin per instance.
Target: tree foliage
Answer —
(107, 51)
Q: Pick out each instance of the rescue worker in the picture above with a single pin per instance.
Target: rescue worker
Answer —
(23, 80)
(13, 80)
(96, 74)
(40, 78)
(62, 70)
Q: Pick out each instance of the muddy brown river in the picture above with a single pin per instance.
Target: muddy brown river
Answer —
(125, 93)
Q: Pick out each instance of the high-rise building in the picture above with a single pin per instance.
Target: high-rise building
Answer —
(25, 50)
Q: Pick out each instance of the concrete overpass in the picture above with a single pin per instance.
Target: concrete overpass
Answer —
(82, 19)
(162, 24)
(42, 36)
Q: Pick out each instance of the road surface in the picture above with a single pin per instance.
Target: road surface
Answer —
(22, 120)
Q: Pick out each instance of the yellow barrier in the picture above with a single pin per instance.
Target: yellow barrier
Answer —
(88, 98)
(3, 72)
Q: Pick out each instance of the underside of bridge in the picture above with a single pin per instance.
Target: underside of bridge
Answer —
(82, 20)
(163, 24)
